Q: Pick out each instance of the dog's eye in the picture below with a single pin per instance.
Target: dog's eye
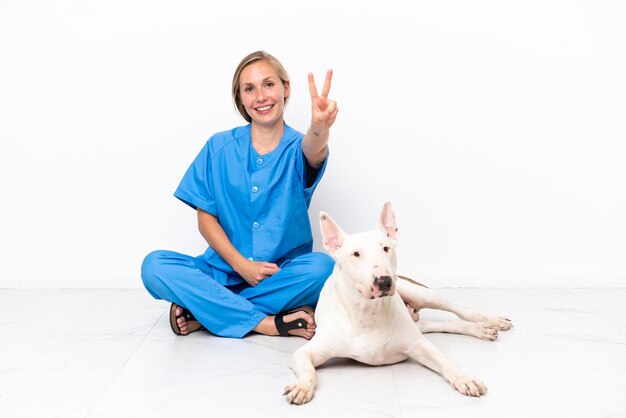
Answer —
(356, 254)
(386, 249)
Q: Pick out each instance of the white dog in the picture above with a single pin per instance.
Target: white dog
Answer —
(362, 312)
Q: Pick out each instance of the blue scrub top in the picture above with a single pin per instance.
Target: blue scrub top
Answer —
(261, 201)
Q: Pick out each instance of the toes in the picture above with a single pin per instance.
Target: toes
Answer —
(491, 333)
(298, 394)
(500, 322)
(182, 325)
(469, 386)
(477, 388)
(291, 392)
(482, 387)
(486, 331)
(474, 390)
(490, 336)
(504, 323)
(306, 332)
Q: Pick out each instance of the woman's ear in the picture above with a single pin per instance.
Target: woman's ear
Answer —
(287, 88)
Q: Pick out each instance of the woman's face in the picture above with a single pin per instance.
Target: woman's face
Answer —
(263, 93)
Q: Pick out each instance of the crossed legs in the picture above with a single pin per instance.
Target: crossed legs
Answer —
(234, 312)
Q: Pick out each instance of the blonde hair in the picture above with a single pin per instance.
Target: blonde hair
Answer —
(249, 59)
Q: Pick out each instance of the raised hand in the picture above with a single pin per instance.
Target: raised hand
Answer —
(324, 111)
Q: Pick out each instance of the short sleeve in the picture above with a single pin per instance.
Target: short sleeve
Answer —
(195, 189)
(308, 186)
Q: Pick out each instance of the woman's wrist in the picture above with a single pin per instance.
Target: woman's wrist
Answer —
(318, 129)
(239, 263)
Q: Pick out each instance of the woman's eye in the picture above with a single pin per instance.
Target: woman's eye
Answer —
(356, 254)
(248, 89)
(269, 85)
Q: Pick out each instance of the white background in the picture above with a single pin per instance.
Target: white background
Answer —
(496, 128)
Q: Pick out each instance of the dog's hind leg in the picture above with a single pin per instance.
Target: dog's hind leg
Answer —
(420, 297)
(471, 315)
(480, 330)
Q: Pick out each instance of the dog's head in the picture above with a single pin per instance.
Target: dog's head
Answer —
(367, 259)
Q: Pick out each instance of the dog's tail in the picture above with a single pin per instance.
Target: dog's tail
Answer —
(411, 281)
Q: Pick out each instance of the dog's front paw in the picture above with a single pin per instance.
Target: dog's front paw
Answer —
(469, 386)
(299, 393)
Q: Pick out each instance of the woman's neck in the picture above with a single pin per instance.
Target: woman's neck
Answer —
(266, 138)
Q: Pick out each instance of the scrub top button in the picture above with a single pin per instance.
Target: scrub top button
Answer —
(256, 225)
(259, 161)
(255, 189)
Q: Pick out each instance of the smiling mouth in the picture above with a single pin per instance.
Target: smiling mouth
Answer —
(264, 109)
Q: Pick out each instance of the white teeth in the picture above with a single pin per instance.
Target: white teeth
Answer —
(263, 109)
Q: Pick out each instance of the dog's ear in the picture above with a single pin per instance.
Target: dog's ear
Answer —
(332, 234)
(387, 222)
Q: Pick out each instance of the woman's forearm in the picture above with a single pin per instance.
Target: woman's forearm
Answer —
(315, 146)
(215, 236)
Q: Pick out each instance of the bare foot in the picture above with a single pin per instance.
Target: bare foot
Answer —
(268, 327)
(185, 326)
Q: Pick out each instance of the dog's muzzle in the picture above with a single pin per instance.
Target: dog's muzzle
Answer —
(382, 286)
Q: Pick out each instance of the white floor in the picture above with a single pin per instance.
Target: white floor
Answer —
(110, 353)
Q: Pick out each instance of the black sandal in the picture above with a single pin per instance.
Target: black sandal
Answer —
(284, 327)
(185, 314)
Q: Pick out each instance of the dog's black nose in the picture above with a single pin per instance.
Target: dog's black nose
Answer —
(384, 283)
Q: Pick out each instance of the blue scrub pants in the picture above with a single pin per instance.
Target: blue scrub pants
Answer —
(234, 311)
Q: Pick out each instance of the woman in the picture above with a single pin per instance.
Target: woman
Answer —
(251, 187)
